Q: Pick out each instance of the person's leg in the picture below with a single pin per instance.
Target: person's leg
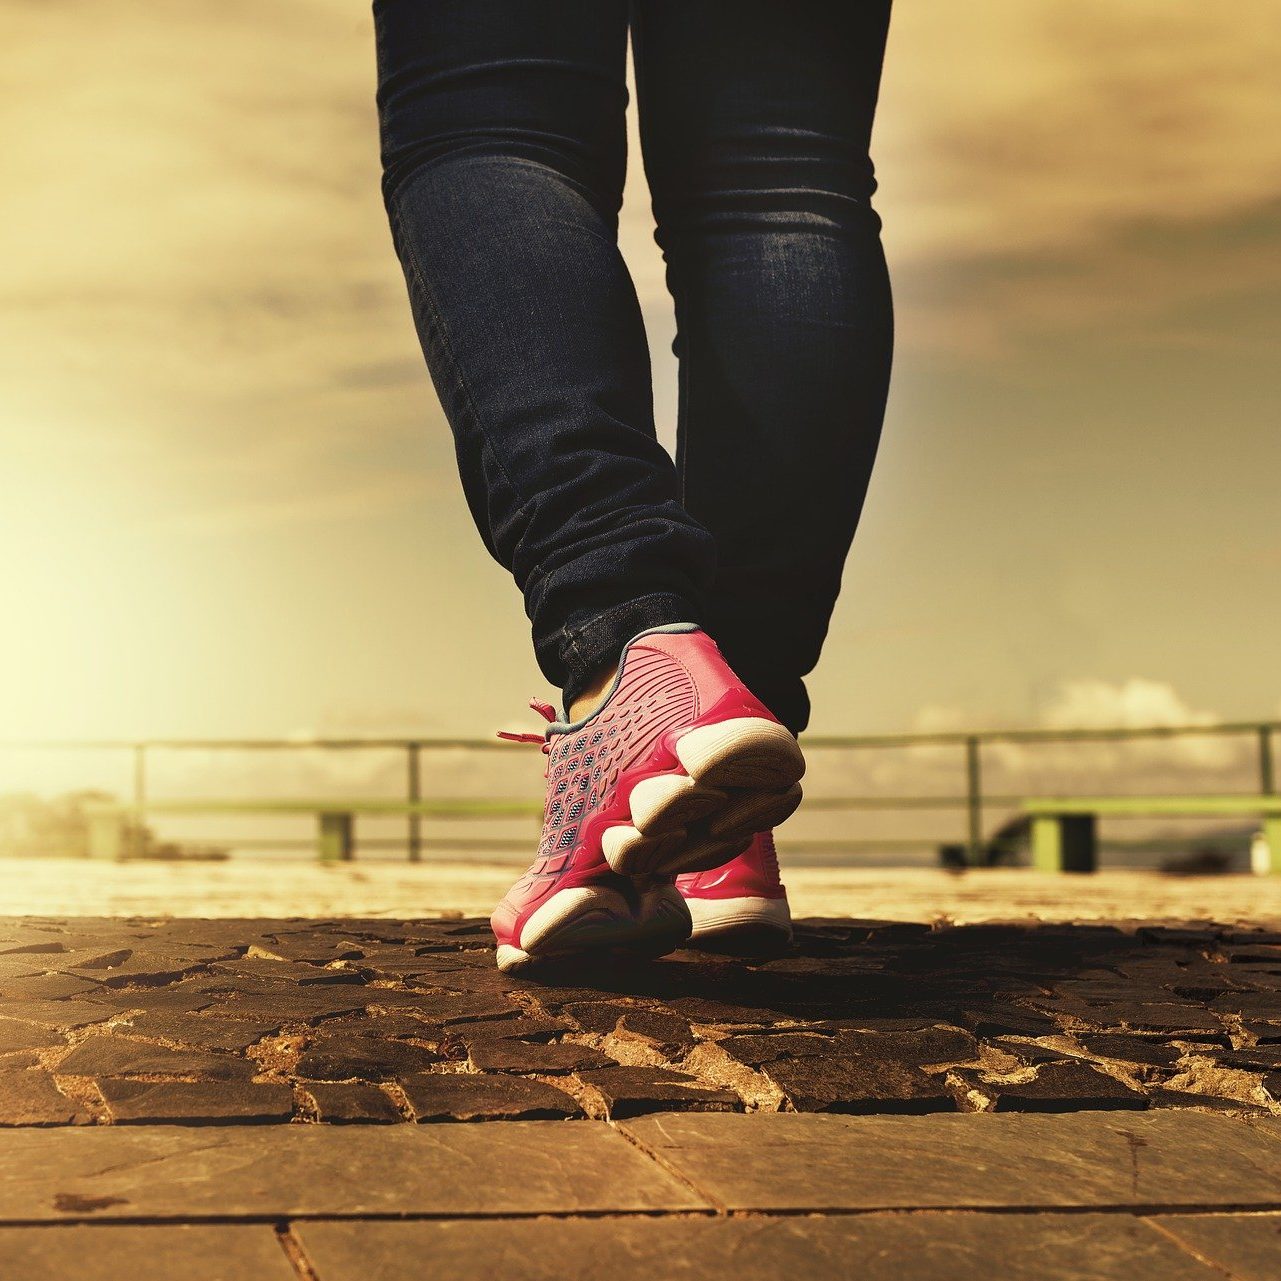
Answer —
(755, 120)
(503, 152)
(504, 148)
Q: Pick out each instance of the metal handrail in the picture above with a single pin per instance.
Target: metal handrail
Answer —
(973, 801)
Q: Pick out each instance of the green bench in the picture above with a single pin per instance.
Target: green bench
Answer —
(1064, 829)
(111, 827)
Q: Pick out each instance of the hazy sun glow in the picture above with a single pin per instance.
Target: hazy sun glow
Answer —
(227, 502)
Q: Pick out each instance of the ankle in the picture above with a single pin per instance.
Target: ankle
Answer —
(593, 695)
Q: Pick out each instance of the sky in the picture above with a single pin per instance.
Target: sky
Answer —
(228, 505)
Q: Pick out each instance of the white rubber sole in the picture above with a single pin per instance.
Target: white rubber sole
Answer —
(736, 778)
(744, 925)
(596, 918)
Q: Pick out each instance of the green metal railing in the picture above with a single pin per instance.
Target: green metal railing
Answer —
(973, 801)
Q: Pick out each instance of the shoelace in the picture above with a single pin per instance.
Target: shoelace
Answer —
(548, 713)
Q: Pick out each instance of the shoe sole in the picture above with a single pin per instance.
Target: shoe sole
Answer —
(736, 778)
(598, 919)
(741, 926)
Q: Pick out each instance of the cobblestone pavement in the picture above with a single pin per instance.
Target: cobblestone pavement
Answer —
(119, 1022)
(1102, 1105)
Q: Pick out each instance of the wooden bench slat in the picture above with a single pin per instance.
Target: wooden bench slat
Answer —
(1182, 806)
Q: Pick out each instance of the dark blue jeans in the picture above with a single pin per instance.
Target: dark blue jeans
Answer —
(504, 149)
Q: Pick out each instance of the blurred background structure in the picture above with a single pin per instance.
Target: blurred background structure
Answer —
(228, 507)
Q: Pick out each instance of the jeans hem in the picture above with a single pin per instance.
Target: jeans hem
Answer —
(589, 647)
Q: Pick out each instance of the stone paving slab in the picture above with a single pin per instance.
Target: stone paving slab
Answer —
(190, 1252)
(180, 1173)
(782, 1162)
(873, 1247)
(1246, 1246)
(255, 1021)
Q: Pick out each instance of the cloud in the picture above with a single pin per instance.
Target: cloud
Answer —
(1157, 764)
(198, 273)
(1035, 125)
(1059, 166)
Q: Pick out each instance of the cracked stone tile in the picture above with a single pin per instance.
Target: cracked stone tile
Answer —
(251, 970)
(463, 1097)
(188, 1102)
(55, 1014)
(1252, 1005)
(853, 1083)
(199, 1030)
(595, 1016)
(45, 987)
(342, 1058)
(1029, 1052)
(1130, 1049)
(1170, 1098)
(522, 1028)
(668, 1033)
(701, 1010)
(391, 1026)
(26, 1036)
(631, 1091)
(106, 1056)
(31, 1098)
(1155, 1017)
(179, 998)
(765, 1047)
(1256, 1057)
(1067, 1087)
(928, 1045)
(313, 951)
(532, 1057)
(997, 1018)
(291, 1005)
(449, 1007)
(358, 1103)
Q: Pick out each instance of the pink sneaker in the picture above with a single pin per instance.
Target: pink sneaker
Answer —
(674, 772)
(741, 907)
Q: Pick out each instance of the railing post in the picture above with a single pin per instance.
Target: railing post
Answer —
(974, 801)
(139, 798)
(415, 794)
(1267, 778)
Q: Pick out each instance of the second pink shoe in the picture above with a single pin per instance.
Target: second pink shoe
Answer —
(741, 907)
(675, 772)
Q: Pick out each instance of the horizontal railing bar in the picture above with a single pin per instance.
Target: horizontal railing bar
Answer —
(256, 744)
(463, 808)
(959, 738)
(372, 807)
(952, 738)
(792, 846)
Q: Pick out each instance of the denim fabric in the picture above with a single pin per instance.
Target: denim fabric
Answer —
(504, 151)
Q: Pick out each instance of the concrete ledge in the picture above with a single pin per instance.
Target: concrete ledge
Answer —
(676, 1162)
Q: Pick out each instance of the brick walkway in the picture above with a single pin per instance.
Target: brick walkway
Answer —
(708, 1090)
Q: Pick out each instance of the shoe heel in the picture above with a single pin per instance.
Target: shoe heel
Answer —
(748, 753)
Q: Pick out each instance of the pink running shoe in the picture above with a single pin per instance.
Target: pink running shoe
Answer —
(674, 772)
(741, 907)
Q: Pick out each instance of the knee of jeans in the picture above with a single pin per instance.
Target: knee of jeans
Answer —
(506, 161)
(831, 194)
